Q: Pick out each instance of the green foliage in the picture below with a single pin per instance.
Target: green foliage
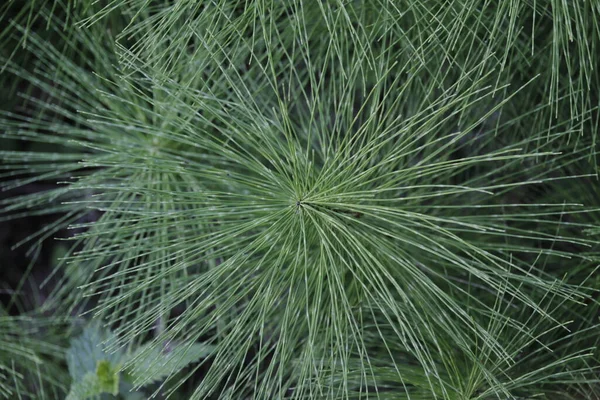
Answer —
(291, 199)
(88, 354)
(95, 371)
(31, 347)
(104, 380)
(150, 363)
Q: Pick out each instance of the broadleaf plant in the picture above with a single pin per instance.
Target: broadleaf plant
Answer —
(312, 199)
(95, 371)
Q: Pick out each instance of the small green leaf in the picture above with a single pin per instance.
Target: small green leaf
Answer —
(108, 376)
(85, 388)
(151, 363)
(88, 349)
(93, 369)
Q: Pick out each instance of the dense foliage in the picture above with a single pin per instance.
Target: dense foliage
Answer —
(324, 199)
